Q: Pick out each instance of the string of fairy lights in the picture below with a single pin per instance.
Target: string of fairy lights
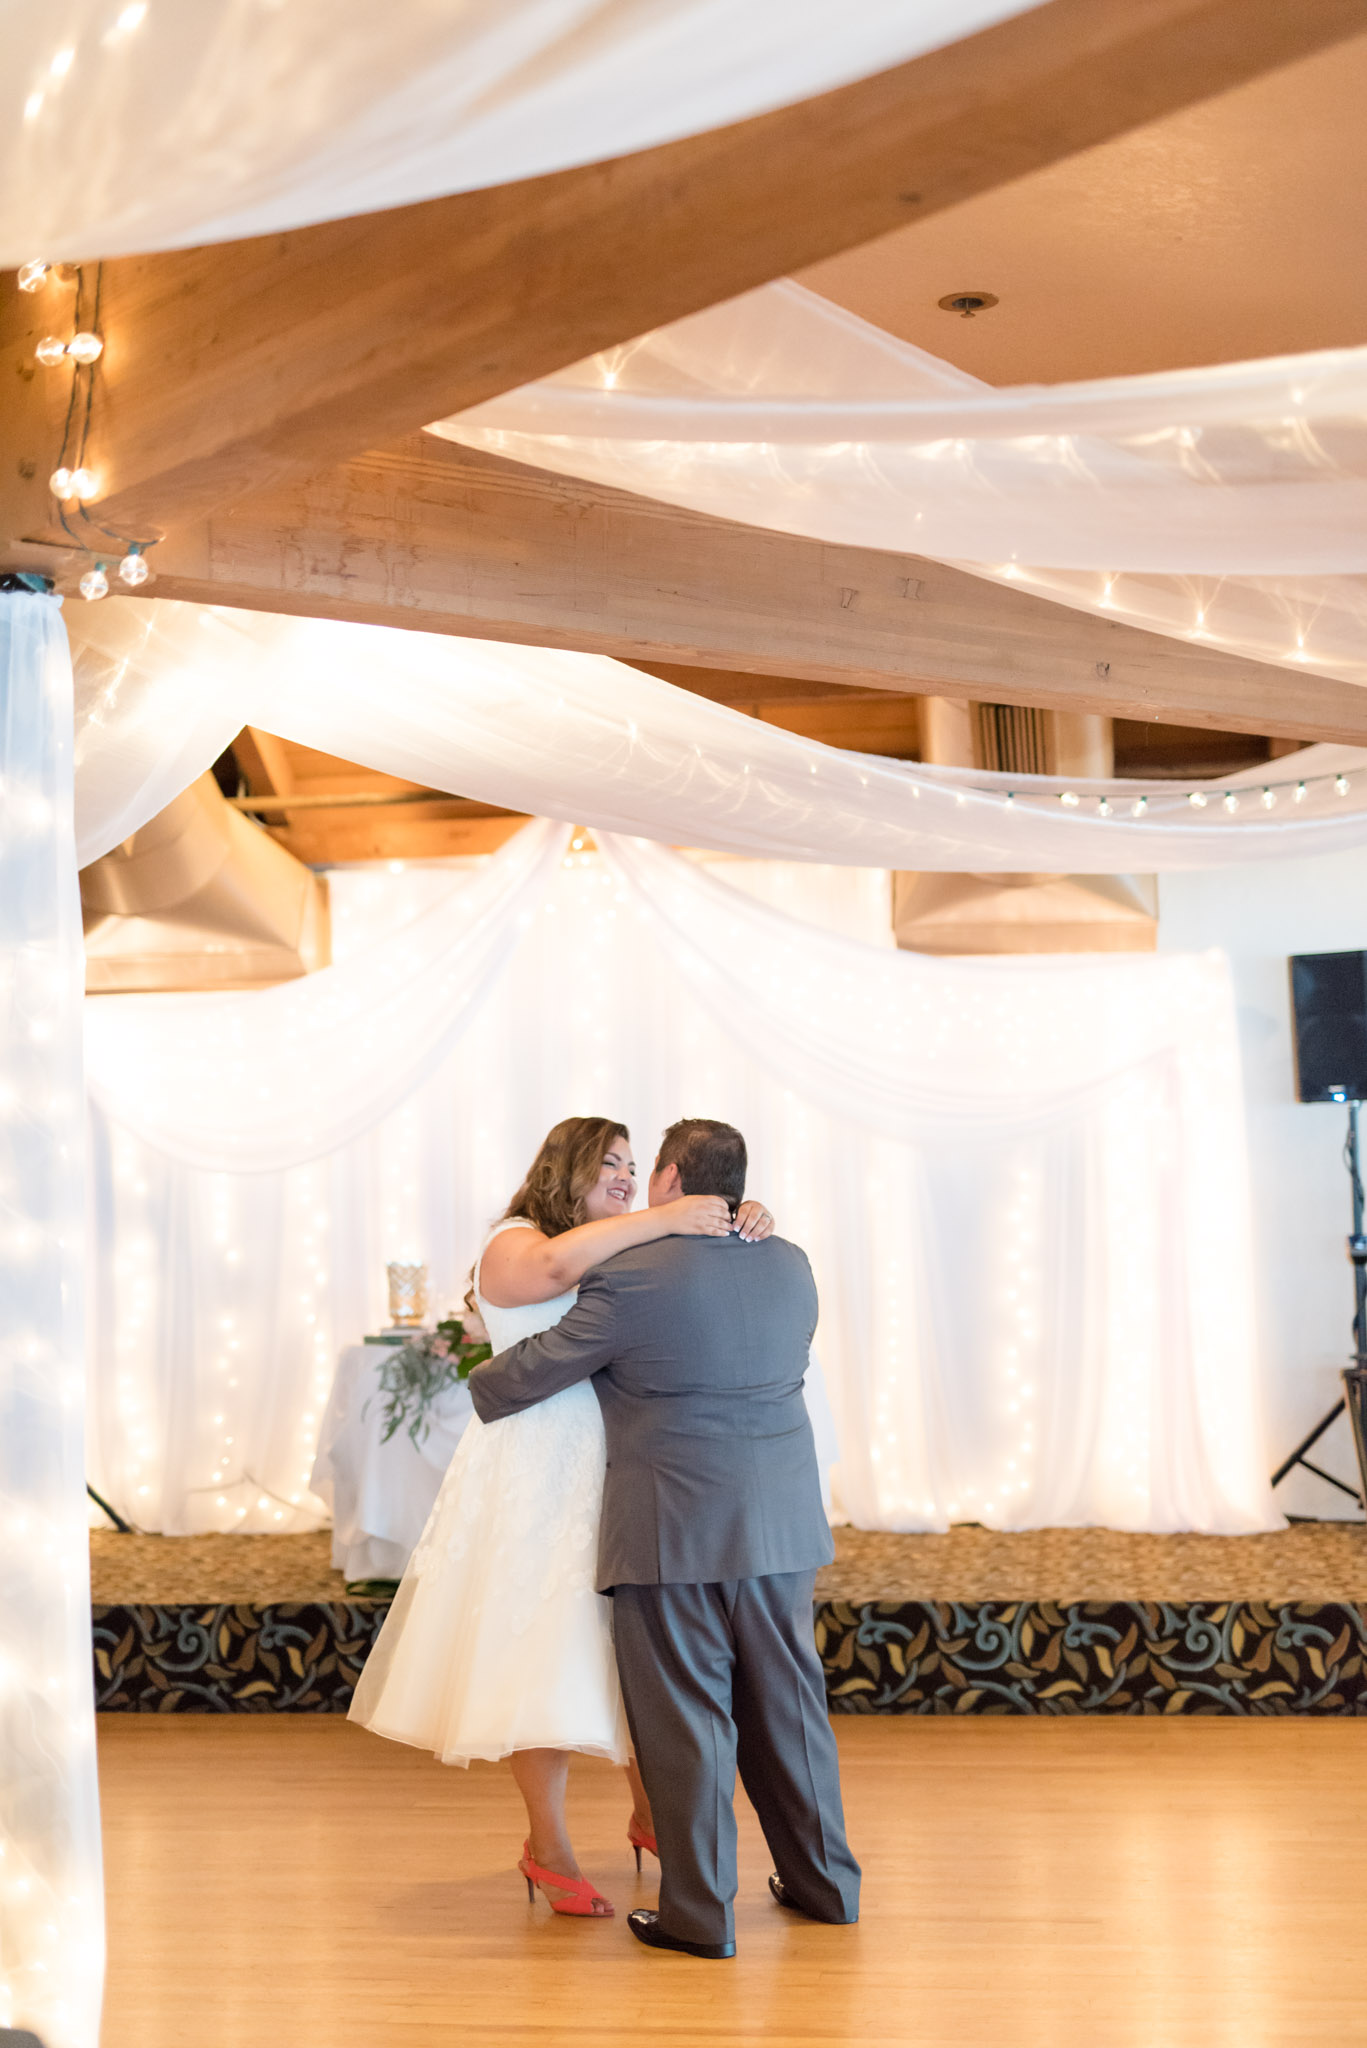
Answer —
(1148, 804)
(74, 483)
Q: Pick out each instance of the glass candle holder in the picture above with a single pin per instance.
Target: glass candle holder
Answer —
(407, 1294)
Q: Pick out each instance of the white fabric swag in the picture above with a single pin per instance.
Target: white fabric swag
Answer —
(1022, 1186)
(131, 128)
(1225, 504)
(162, 688)
(51, 1929)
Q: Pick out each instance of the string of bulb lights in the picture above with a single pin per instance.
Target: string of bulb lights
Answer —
(73, 482)
(1148, 804)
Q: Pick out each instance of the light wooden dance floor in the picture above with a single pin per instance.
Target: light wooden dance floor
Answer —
(1077, 1883)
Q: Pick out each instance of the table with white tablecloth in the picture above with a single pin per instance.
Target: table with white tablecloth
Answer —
(380, 1493)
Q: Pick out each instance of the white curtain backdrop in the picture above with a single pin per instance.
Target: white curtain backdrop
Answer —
(1022, 1186)
(51, 1929)
(1223, 504)
(135, 128)
(162, 687)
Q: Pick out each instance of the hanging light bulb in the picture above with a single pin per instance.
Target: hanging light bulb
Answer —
(85, 347)
(1070, 799)
(1139, 807)
(133, 568)
(59, 483)
(1010, 799)
(1104, 807)
(32, 276)
(1299, 797)
(50, 350)
(1341, 785)
(85, 485)
(1197, 800)
(94, 583)
(1269, 799)
(1231, 801)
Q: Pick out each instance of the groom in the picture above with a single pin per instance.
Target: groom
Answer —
(712, 1532)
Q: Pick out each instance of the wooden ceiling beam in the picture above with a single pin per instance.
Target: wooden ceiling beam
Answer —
(319, 842)
(226, 368)
(442, 539)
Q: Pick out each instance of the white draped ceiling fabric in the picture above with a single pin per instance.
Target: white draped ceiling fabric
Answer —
(131, 128)
(51, 1936)
(161, 688)
(1226, 505)
(1022, 1185)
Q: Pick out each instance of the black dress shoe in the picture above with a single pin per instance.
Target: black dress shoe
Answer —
(779, 1891)
(645, 1925)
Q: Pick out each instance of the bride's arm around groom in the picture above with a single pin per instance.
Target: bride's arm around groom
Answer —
(712, 1532)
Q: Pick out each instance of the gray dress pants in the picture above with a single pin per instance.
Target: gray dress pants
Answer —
(725, 1675)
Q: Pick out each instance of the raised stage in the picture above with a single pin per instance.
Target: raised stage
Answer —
(1056, 1621)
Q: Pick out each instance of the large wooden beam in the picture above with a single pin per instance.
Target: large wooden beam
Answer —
(446, 540)
(228, 367)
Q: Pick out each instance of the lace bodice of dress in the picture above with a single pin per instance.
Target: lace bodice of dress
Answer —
(509, 1325)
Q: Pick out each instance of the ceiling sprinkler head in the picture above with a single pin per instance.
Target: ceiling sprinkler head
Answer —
(966, 304)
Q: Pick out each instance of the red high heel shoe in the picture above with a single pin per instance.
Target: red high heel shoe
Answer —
(639, 1840)
(579, 1896)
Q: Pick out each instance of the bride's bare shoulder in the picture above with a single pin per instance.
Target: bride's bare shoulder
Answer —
(509, 1257)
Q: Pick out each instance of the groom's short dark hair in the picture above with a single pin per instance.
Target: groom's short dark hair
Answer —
(711, 1157)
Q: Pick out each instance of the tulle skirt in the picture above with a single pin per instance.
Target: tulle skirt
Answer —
(497, 1639)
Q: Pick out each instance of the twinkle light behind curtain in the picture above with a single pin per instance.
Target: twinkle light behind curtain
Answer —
(1022, 1186)
(51, 1932)
(1226, 504)
(132, 128)
(162, 688)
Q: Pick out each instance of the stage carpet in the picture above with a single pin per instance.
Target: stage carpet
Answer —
(1056, 1621)
(1081, 1884)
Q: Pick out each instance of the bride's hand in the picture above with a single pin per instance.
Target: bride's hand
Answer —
(753, 1222)
(698, 1216)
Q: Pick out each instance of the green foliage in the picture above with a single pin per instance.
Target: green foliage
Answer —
(415, 1373)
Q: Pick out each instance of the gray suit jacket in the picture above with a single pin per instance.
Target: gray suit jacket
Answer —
(699, 1346)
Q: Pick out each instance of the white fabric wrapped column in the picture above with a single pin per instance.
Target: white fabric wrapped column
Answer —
(51, 1931)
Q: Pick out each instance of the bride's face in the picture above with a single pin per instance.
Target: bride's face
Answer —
(616, 1188)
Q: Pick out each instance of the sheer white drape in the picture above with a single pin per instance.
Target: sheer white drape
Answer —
(302, 1068)
(51, 1931)
(586, 739)
(1022, 1187)
(1223, 504)
(134, 129)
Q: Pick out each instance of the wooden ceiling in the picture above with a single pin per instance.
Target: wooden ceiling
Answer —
(1101, 165)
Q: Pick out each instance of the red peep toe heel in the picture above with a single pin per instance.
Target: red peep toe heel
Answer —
(639, 1840)
(579, 1897)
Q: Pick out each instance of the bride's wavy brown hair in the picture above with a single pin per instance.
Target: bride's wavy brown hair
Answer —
(567, 1166)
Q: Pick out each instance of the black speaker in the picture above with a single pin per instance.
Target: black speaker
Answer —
(1329, 998)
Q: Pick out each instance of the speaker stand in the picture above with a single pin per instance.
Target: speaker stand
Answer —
(1357, 1252)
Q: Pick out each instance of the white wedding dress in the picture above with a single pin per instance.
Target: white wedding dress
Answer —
(497, 1639)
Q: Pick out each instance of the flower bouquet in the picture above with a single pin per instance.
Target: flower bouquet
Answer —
(416, 1372)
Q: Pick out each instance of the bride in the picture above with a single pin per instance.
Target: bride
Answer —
(497, 1644)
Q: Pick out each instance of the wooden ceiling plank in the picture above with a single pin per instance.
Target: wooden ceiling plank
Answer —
(228, 367)
(440, 539)
(264, 762)
(393, 836)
